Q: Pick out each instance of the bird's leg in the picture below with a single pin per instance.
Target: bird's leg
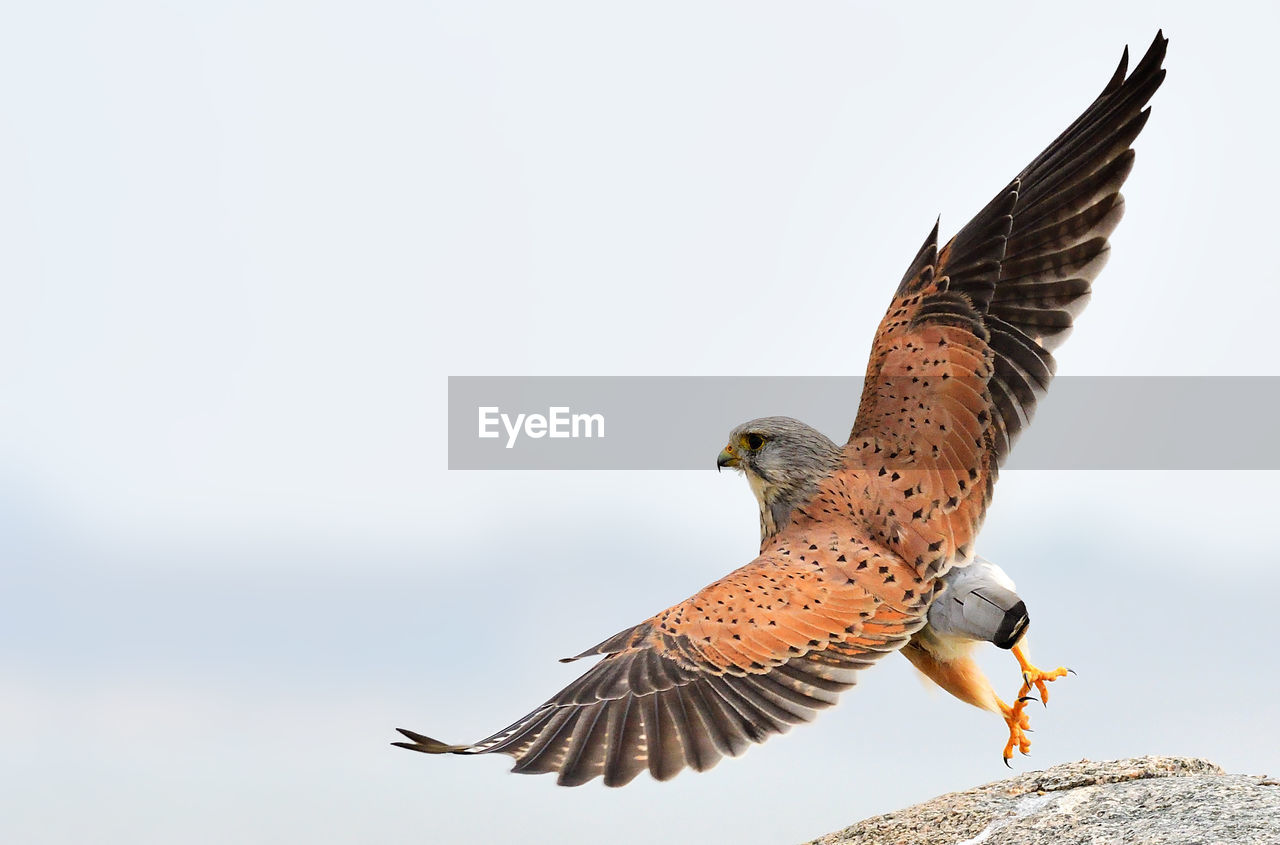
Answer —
(1016, 716)
(1033, 676)
(959, 675)
(1018, 721)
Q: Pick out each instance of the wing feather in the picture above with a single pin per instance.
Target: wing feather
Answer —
(980, 318)
(669, 700)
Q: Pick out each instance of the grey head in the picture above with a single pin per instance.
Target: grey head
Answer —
(784, 461)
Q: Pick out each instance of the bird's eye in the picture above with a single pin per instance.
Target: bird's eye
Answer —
(754, 442)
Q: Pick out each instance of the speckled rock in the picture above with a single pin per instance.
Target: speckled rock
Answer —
(1143, 800)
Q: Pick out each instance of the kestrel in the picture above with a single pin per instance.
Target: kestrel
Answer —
(785, 460)
(957, 366)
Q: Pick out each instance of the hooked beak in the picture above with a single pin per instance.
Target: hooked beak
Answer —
(726, 458)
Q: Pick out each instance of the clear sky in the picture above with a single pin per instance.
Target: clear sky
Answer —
(244, 244)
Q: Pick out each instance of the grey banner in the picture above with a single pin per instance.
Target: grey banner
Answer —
(674, 422)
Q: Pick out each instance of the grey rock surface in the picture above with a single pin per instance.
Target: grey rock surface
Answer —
(1141, 800)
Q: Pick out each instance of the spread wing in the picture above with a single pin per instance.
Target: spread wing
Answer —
(964, 352)
(763, 648)
(957, 366)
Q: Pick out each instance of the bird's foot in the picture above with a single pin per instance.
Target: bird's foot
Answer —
(1019, 722)
(1034, 677)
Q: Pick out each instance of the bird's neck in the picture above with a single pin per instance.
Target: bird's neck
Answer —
(777, 502)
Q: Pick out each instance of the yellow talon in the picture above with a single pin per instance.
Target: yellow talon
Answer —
(1016, 717)
(1033, 676)
(1018, 722)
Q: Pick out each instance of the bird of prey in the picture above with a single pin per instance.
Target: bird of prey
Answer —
(785, 460)
(957, 366)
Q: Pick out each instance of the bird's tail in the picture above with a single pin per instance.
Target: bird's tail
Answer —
(981, 603)
(995, 609)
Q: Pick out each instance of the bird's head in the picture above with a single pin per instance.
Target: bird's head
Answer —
(784, 460)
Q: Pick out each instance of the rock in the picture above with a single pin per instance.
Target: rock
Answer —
(1141, 800)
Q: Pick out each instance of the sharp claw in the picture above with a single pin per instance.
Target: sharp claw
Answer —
(1035, 687)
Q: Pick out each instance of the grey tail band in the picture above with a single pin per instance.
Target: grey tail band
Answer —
(1013, 626)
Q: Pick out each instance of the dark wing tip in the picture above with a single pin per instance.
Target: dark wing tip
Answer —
(925, 258)
(1117, 78)
(1153, 57)
(426, 744)
(1159, 41)
(618, 642)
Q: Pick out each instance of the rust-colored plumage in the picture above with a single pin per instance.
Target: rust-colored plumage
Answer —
(957, 367)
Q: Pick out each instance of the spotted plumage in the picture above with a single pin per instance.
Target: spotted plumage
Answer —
(785, 461)
(956, 368)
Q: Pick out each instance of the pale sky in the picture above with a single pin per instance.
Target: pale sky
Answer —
(246, 243)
